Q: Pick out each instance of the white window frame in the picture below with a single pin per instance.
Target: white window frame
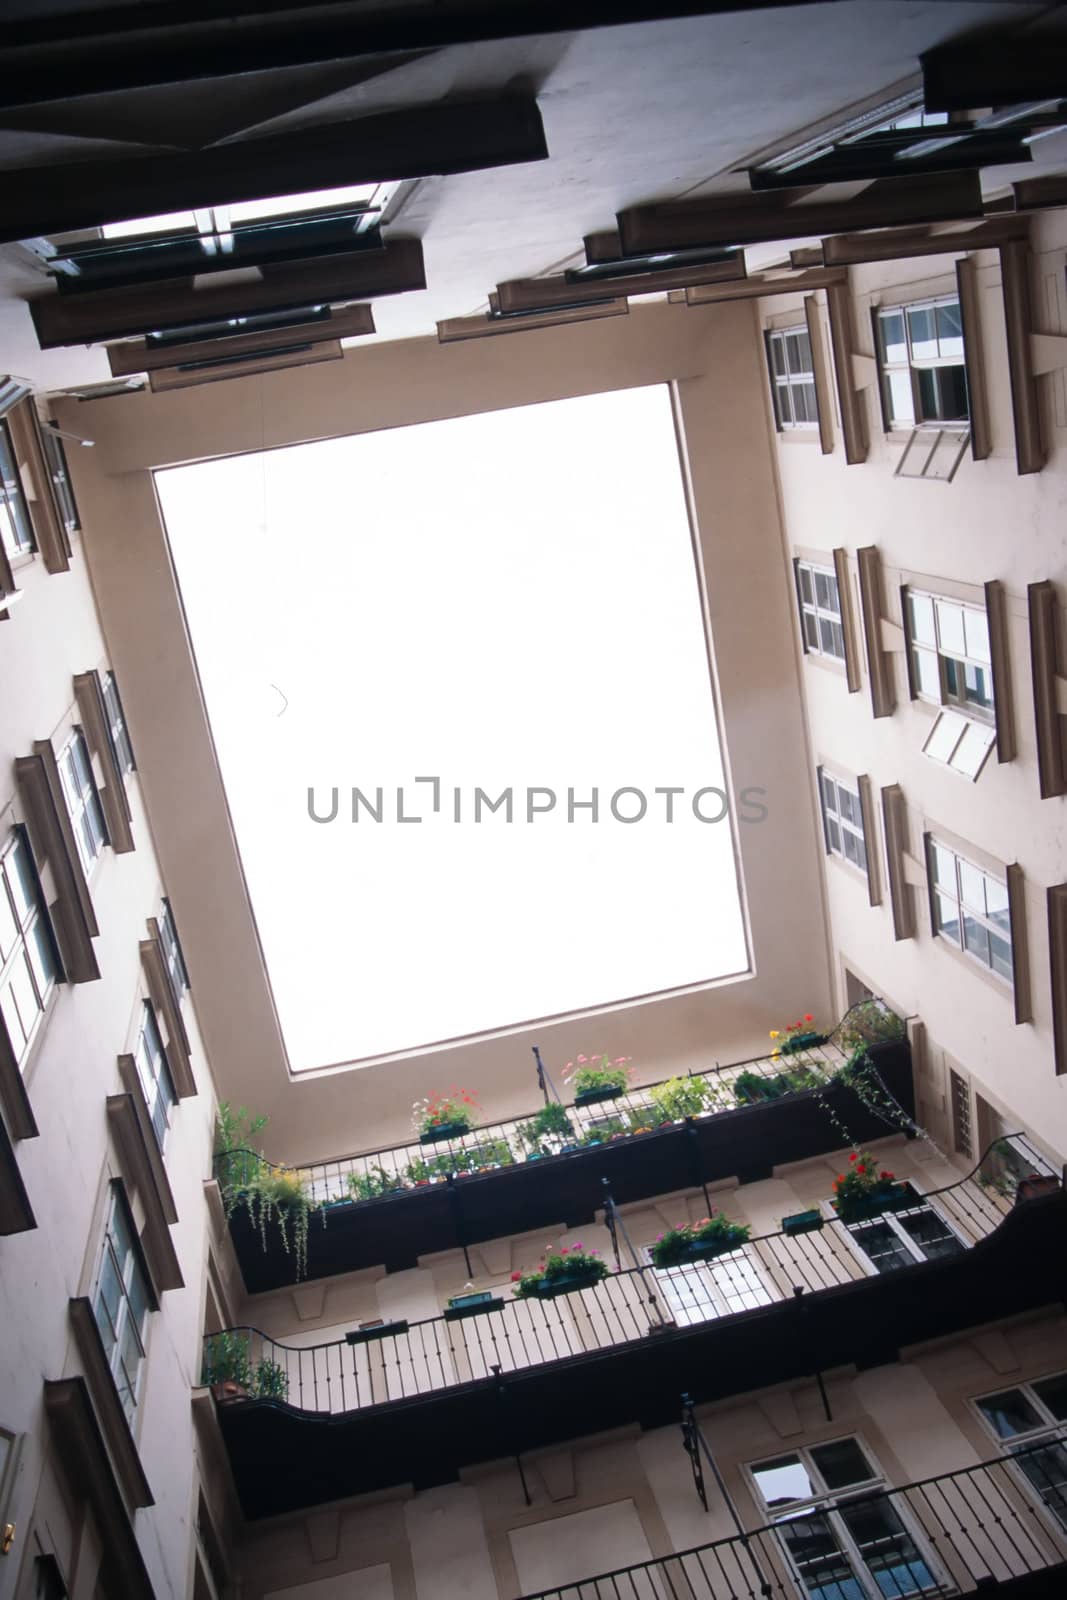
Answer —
(828, 1502)
(171, 950)
(783, 383)
(834, 818)
(702, 1291)
(153, 1071)
(964, 910)
(31, 931)
(16, 525)
(942, 658)
(128, 1269)
(118, 732)
(911, 1246)
(913, 365)
(83, 801)
(1051, 1430)
(814, 610)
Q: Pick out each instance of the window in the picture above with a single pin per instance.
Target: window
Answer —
(56, 460)
(83, 801)
(16, 529)
(820, 610)
(154, 1074)
(842, 816)
(792, 378)
(920, 348)
(948, 648)
(962, 1138)
(28, 965)
(121, 748)
(843, 1537)
(970, 909)
(1030, 1421)
(715, 1288)
(173, 958)
(121, 1301)
(901, 1238)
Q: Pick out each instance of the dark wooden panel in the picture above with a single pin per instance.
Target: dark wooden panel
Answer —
(454, 329)
(544, 294)
(999, 70)
(760, 218)
(900, 244)
(214, 371)
(114, 313)
(1018, 320)
(1044, 664)
(849, 400)
(133, 356)
(880, 156)
(420, 141)
(1057, 957)
(973, 362)
(764, 283)
(16, 1213)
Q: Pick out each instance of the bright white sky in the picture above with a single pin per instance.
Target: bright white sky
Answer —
(498, 600)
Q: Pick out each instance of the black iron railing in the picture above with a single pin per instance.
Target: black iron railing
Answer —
(503, 1144)
(381, 1364)
(948, 1535)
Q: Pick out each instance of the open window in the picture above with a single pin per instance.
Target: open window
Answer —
(1029, 1422)
(901, 1238)
(924, 388)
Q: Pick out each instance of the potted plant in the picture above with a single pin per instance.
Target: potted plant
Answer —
(866, 1190)
(802, 1222)
(796, 1037)
(560, 1272)
(604, 1134)
(752, 1087)
(1036, 1184)
(679, 1098)
(444, 1116)
(373, 1182)
(699, 1241)
(270, 1381)
(228, 1366)
(597, 1078)
(492, 1153)
(550, 1124)
(471, 1303)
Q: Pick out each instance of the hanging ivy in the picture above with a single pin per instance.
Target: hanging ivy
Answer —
(268, 1193)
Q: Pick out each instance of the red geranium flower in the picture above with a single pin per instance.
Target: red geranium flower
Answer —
(516, 1277)
(853, 1156)
(808, 1017)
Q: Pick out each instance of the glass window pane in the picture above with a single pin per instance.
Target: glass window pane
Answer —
(79, 757)
(833, 833)
(901, 404)
(949, 323)
(778, 354)
(933, 1236)
(927, 676)
(804, 402)
(891, 326)
(785, 403)
(793, 356)
(976, 940)
(842, 1463)
(22, 878)
(109, 1293)
(922, 328)
(972, 887)
(823, 1567)
(1052, 1392)
(23, 993)
(976, 630)
(806, 589)
(970, 754)
(42, 958)
(1047, 1471)
(942, 394)
(947, 917)
(9, 928)
(944, 865)
(950, 627)
(1000, 957)
(849, 806)
(944, 736)
(852, 848)
(886, 1249)
(783, 1481)
(829, 789)
(829, 633)
(837, 641)
(826, 596)
(811, 631)
(12, 1021)
(921, 620)
(1009, 1413)
(887, 1549)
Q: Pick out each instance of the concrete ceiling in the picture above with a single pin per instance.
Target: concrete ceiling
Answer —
(643, 112)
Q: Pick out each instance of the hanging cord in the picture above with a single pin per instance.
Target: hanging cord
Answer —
(615, 1227)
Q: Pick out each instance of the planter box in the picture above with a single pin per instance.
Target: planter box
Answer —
(895, 1198)
(592, 1097)
(445, 1130)
(227, 1391)
(471, 1305)
(701, 1250)
(802, 1222)
(585, 1280)
(370, 1331)
(802, 1041)
(1037, 1184)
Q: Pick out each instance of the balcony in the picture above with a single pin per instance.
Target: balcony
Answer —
(982, 1530)
(403, 1402)
(490, 1183)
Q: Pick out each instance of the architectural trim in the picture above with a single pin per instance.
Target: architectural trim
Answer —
(822, 402)
(1057, 960)
(1044, 666)
(51, 536)
(113, 799)
(168, 1014)
(895, 824)
(87, 1466)
(13, 1096)
(16, 1213)
(902, 244)
(128, 1473)
(1015, 260)
(973, 364)
(451, 330)
(850, 403)
(215, 369)
(879, 662)
(133, 356)
(1020, 946)
(52, 838)
(853, 675)
(546, 294)
(1000, 659)
(870, 838)
(142, 1161)
(763, 284)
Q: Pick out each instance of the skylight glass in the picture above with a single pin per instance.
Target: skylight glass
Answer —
(253, 210)
(504, 603)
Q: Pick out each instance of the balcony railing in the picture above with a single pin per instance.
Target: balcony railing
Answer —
(493, 1145)
(950, 1535)
(389, 1363)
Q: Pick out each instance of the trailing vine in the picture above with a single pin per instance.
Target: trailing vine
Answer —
(866, 1023)
(267, 1192)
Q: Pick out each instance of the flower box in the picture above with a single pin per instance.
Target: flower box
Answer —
(802, 1222)
(802, 1041)
(1036, 1185)
(378, 1329)
(227, 1391)
(861, 1208)
(472, 1305)
(444, 1130)
(705, 1249)
(606, 1091)
(551, 1287)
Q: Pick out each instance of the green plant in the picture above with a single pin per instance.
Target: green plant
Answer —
(863, 1180)
(227, 1359)
(609, 1129)
(679, 1098)
(557, 1265)
(270, 1381)
(673, 1246)
(551, 1121)
(597, 1072)
(267, 1192)
(457, 1109)
(869, 1022)
(236, 1158)
(375, 1181)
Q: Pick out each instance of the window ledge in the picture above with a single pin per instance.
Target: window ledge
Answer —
(127, 1471)
(16, 1213)
(176, 1040)
(143, 1164)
